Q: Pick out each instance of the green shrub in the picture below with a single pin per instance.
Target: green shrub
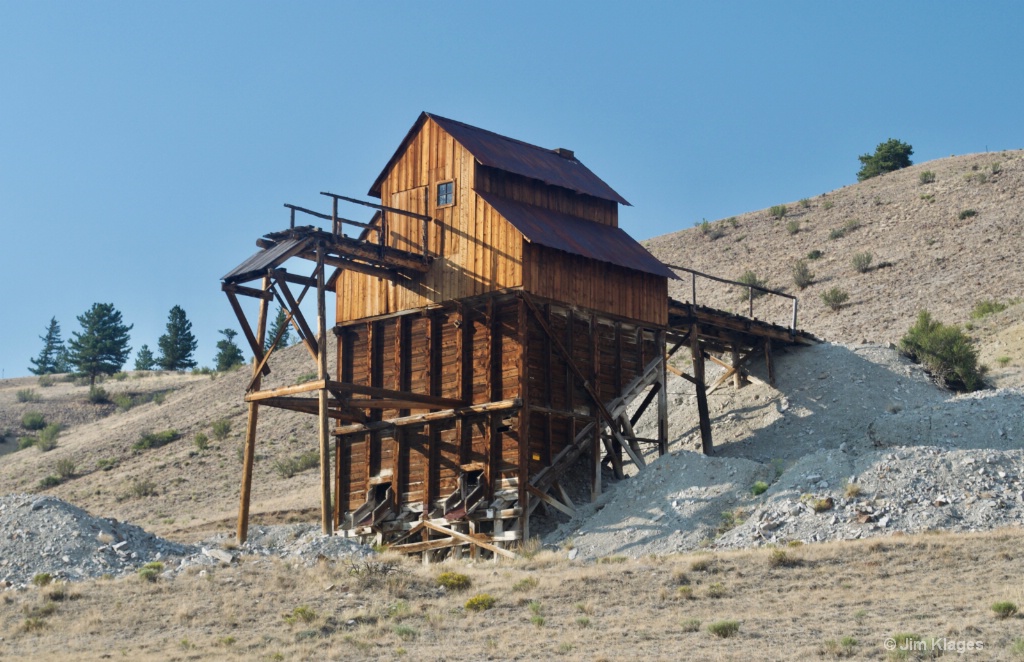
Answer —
(751, 278)
(759, 488)
(221, 429)
(151, 571)
(290, 466)
(802, 276)
(778, 211)
(142, 487)
(524, 584)
(405, 632)
(835, 298)
(837, 233)
(26, 442)
(119, 376)
(862, 262)
(48, 437)
(42, 579)
(780, 559)
(828, 204)
(306, 377)
(49, 481)
(842, 648)
(945, 351)
(302, 614)
(66, 468)
(33, 420)
(690, 625)
(967, 213)
(926, 177)
(793, 226)
(150, 440)
(201, 441)
(481, 602)
(46, 381)
(106, 464)
(27, 395)
(98, 395)
(715, 590)
(1004, 609)
(805, 203)
(814, 255)
(454, 581)
(987, 307)
(724, 629)
(710, 230)
(1003, 361)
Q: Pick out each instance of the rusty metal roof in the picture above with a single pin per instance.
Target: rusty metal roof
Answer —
(577, 236)
(515, 156)
(258, 263)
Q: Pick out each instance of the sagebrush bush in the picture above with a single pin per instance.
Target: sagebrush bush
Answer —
(926, 177)
(802, 276)
(47, 381)
(48, 437)
(98, 395)
(751, 278)
(814, 255)
(724, 629)
(987, 307)
(835, 298)
(1004, 609)
(967, 213)
(862, 262)
(155, 440)
(289, 466)
(793, 226)
(221, 429)
(142, 487)
(33, 420)
(945, 351)
(65, 468)
(481, 602)
(201, 441)
(778, 211)
(151, 571)
(759, 488)
(455, 581)
(27, 395)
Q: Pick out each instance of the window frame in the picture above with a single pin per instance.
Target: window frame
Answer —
(437, 194)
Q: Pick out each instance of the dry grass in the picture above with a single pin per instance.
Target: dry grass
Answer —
(841, 600)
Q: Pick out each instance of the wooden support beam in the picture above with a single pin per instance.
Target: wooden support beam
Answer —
(256, 347)
(595, 464)
(249, 451)
(551, 501)
(522, 369)
(298, 319)
(662, 390)
(414, 400)
(702, 398)
(420, 419)
(769, 362)
(326, 520)
(470, 540)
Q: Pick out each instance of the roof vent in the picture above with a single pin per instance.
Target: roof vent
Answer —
(565, 153)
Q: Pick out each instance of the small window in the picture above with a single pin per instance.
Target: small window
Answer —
(446, 194)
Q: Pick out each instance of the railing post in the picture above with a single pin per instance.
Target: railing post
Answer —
(750, 300)
(335, 226)
(292, 225)
(793, 326)
(693, 287)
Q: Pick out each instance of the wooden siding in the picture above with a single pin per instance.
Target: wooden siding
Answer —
(476, 250)
(634, 295)
(523, 189)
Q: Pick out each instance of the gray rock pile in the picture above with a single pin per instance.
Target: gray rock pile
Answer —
(42, 534)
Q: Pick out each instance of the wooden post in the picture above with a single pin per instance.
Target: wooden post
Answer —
(693, 288)
(750, 301)
(524, 418)
(595, 462)
(769, 363)
(734, 355)
(249, 453)
(660, 385)
(700, 386)
(793, 325)
(325, 433)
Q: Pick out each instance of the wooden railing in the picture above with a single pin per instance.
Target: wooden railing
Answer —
(750, 290)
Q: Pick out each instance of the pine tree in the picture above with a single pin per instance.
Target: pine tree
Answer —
(102, 346)
(178, 344)
(228, 353)
(144, 359)
(277, 324)
(51, 357)
(889, 156)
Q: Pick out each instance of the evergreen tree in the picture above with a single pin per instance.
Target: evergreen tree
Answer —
(102, 346)
(51, 357)
(178, 344)
(891, 155)
(278, 322)
(144, 359)
(228, 353)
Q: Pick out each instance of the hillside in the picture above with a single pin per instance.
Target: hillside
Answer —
(924, 255)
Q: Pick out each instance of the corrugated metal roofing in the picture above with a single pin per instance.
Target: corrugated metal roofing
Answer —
(577, 235)
(258, 263)
(511, 155)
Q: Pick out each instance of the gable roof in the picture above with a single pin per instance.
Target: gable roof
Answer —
(515, 156)
(577, 235)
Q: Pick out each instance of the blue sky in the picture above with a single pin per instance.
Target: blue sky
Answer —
(145, 146)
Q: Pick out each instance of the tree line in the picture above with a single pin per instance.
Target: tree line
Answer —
(102, 345)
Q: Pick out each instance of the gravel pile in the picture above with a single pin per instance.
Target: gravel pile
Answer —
(855, 442)
(47, 535)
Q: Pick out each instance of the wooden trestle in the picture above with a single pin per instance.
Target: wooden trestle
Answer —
(453, 422)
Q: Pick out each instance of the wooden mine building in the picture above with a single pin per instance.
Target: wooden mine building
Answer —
(493, 326)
